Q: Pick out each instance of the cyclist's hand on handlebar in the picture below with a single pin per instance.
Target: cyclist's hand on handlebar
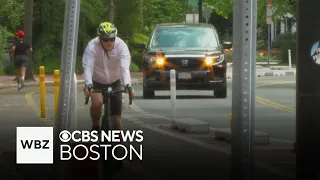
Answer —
(87, 90)
(130, 90)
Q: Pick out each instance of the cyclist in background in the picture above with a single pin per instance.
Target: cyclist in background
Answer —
(20, 53)
(105, 62)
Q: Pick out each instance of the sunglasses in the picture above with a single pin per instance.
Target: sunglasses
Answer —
(108, 39)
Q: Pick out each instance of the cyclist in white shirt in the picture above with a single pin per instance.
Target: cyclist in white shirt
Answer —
(105, 61)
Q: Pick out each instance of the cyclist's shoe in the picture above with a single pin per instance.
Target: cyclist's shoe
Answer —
(22, 83)
(19, 84)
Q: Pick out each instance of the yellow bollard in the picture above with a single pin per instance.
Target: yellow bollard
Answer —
(42, 92)
(56, 92)
(230, 116)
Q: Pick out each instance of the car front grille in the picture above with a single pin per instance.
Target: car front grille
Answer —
(184, 63)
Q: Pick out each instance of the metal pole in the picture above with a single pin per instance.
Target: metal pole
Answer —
(269, 27)
(243, 89)
(73, 122)
(173, 92)
(308, 91)
(66, 110)
(194, 14)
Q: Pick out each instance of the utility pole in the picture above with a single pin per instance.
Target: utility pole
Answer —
(308, 91)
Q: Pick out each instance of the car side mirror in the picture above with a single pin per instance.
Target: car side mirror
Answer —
(141, 46)
(227, 45)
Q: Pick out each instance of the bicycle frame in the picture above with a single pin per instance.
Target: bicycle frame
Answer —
(106, 171)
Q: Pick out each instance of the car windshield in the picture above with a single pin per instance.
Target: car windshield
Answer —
(184, 38)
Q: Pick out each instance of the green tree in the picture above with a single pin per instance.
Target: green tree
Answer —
(281, 8)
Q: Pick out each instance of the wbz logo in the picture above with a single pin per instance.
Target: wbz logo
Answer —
(34, 145)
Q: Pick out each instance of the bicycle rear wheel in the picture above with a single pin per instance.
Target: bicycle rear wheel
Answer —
(106, 168)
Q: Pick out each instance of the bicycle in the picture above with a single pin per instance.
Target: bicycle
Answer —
(107, 169)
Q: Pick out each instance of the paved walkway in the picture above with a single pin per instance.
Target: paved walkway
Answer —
(49, 77)
(9, 81)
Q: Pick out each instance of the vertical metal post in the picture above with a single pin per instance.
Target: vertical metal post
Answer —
(173, 92)
(194, 14)
(269, 27)
(308, 91)
(66, 110)
(73, 104)
(243, 89)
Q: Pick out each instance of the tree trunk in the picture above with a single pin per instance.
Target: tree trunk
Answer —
(28, 18)
(111, 11)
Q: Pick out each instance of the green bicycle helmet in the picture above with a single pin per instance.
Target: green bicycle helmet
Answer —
(107, 30)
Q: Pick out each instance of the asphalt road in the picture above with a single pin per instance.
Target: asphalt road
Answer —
(167, 157)
(275, 106)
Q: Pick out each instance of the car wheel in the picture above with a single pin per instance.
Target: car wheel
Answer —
(147, 94)
(222, 92)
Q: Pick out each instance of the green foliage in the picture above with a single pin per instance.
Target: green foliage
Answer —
(140, 38)
(281, 8)
(160, 11)
(284, 42)
(222, 7)
(134, 67)
(129, 15)
(12, 12)
(4, 34)
(53, 63)
(136, 55)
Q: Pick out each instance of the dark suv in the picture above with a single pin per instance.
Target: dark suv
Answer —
(193, 50)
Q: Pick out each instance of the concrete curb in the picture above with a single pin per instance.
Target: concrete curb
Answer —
(224, 134)
(135, 81)
(259, 64)
(269, 73)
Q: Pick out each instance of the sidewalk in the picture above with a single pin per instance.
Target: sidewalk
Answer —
(8, 81)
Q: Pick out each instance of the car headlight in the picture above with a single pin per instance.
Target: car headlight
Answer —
(155, 60)
(159, 60)
(212, 60)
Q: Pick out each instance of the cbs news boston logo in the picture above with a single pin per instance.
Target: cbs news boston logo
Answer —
(35, 144)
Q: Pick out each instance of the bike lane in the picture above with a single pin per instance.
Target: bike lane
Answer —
(17, 108)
